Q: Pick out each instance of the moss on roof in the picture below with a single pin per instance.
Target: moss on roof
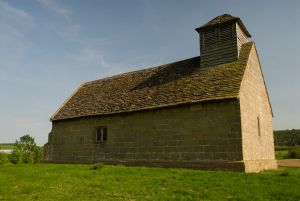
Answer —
(172, 84)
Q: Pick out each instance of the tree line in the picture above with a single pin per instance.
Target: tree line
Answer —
(287, 137)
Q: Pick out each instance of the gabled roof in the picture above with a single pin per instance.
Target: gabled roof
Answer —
(223, 19)
(182, 82)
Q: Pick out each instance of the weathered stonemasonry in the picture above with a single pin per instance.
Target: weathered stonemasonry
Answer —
(209, 112)
(256, 118)
(205, 135)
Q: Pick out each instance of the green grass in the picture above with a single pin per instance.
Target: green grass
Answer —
(80, 182)
(282, 154)
(7, 146)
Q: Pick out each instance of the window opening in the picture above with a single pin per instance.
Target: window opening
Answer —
(101, 134)
(98, 136)
(258, 127)
(104, 134)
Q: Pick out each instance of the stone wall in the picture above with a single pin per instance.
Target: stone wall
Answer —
(203, 135)
(256, 117)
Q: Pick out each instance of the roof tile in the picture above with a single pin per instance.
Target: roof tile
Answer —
(166, 85)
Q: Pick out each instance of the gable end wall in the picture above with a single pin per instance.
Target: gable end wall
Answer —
(258, 148)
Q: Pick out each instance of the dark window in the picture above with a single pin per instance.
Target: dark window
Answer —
(104, 134)
(209, 38)
(101, 134)
(81, 140)
(226, 32)
(98, 136)
(258, 127)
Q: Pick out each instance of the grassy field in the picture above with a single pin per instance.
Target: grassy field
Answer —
(7, 146)
(281, 154)
(80, 182)
(284, 152)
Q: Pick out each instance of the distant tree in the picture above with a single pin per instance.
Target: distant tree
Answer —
(16, 156)
(287, 137)
(3, 158)
(39, 155)
(26, 151)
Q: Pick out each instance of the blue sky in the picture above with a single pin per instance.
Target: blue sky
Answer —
(49, 47)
